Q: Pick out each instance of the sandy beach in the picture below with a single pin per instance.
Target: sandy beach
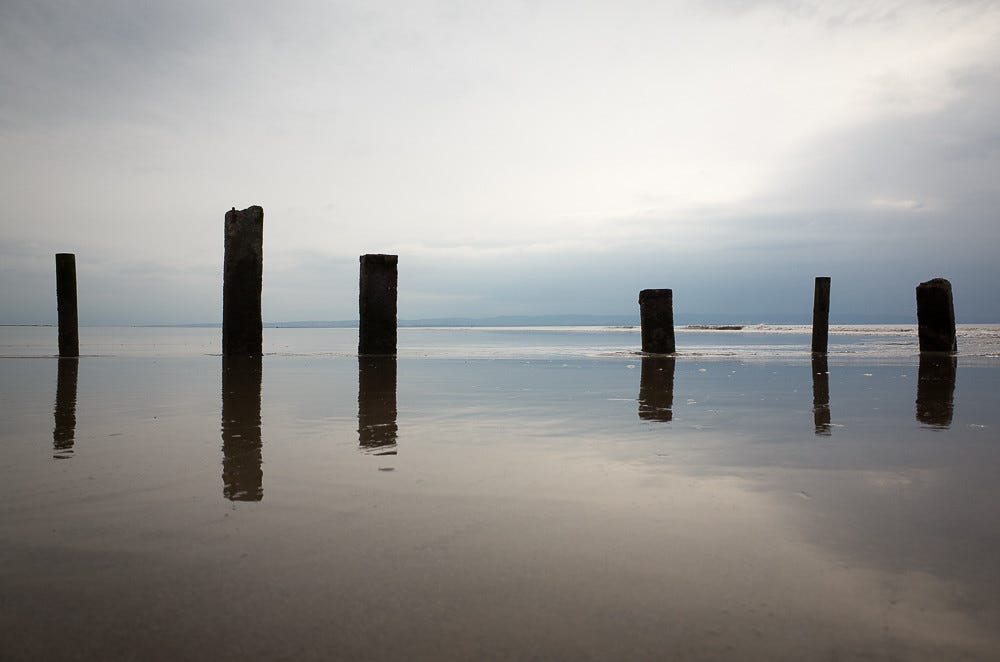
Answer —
(311, 505)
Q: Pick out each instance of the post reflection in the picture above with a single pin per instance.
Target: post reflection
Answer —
(656, 388)
(242, 475)
(821, 395)
(377, 404)
(936, 389)
(64, 411)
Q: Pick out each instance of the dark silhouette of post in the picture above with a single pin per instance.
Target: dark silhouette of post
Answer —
(242, 475)
(936, 316)
(69, 332)
(936, 389)
(377, 304)
(656, 314)
(242, 328)
(821, 315)
(64, 411)
(821, 395)
(656, 388)
(377, 404)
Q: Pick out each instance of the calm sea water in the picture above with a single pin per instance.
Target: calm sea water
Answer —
(879, 342)
(499, 493)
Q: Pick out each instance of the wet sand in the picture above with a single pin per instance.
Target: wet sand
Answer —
(318, 507)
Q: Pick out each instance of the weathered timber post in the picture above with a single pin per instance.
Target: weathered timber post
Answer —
(242, 327)
(377, 404)
(656, 313)
(936, 389)
(64, 412)
(69, 332)
(821, 315)
(242, 446)
(936, 316)
(821, 395)
(377, 304)
(656, 388)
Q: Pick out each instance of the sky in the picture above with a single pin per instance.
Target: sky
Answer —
(522, 157)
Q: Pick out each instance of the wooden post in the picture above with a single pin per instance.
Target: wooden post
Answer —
(821, 394)
(242, 475)
(64, 412)
(656, 388)
(377, 304)
(936, 389)
(377, 404)
(821, 315)
(242, 327)
(656, 313)
(69, 333)
(936, 316)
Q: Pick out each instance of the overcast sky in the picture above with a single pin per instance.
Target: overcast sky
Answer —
(521, 157)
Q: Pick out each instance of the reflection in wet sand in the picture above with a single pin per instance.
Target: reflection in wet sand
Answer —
(936, 389)
(65, 408)
(821, 395)
(656, 388)
(377, 404)
(242, 475)
(727, 533)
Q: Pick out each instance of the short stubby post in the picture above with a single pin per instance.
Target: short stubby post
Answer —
(936, 316)
(242, 278)
(69, 332)
(821, 315)
(656, 388)
(936, 389)
(377, 304)
(656, 314)
(377, 427)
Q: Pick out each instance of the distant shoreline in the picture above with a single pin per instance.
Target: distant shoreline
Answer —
(623, 322)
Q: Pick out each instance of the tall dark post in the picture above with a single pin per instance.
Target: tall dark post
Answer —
(821, 395)
(377, 304)
(656, 388)
(377, 404)
(242, 328)
(936, 389)
(821, 315)
(242, 475)
(64, 412)
(69, 333)
(656, 312)
(936, 316)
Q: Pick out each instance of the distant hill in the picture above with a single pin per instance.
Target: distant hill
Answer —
(503, 320)
(603, 320)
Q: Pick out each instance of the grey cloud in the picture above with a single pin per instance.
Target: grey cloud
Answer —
(64, 60)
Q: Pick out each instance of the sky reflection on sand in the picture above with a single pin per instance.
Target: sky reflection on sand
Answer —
(587, 507)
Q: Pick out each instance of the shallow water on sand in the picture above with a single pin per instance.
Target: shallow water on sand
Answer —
(579, 502)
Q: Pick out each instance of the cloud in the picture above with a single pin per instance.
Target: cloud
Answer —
(499, 138)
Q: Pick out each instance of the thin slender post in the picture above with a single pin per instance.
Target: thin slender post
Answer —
(936, 316)
(821, 395)
(656, 313)
(377, 304)
(821, 315)
(242, 326)
(64, 412)
(69, 332)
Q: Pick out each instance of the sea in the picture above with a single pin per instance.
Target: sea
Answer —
(500, 493)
